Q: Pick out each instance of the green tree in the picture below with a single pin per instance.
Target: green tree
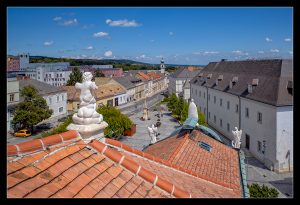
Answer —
(32, 110)
(201, 118)
(257, 191)
(98, 74)
(117, 122)
(75, 76)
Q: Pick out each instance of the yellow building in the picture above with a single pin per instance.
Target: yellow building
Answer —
(105, 94)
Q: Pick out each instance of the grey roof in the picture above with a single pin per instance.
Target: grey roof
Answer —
(184, 73)
(43, 88)
(272, 74)
(124, 81)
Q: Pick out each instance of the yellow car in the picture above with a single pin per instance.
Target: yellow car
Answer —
(23, 133)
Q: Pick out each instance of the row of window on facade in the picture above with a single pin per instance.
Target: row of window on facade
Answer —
(54, 79)
(259, 114)
(57, 98)
(57, 75)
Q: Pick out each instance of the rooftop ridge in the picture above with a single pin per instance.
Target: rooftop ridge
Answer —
(138, 170)
(168, 163)
(178, 148)
(36, 145)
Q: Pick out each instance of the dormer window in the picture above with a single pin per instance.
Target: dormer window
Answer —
(209, 76)
(235, 79)
(255, 82)
(200, 75)
(250, 88)
(220, 77)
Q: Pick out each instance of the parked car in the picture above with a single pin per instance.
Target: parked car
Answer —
(23, 133)
(44, 126)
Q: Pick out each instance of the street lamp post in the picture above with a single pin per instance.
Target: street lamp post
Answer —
(145, 112)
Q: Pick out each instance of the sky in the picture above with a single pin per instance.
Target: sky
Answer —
(193, 36)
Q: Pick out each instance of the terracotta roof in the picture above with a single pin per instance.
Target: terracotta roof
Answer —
(64, 166)
(153, 75)
(103, 91)
(143, 76)
(220, 165)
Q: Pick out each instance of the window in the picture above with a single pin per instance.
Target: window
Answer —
(247, 112)
(50, 100)
(259, 146)
(61, 109)
(60, 75)
(57, 98)
(259, 117)
(215, 99)
(221, 123)
(208, 96)
(11, 97)
(228, 127)
(228, 105)
(62, 97)
(221, 102)
(208, 115)
(236, 108)
(215, 119)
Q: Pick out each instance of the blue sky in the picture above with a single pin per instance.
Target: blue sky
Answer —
(180, 35)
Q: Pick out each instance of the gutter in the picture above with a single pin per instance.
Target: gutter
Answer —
(245, 190)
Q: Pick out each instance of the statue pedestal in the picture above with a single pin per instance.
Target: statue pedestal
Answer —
(89, 132)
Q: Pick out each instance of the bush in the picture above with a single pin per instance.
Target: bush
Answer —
(257, 191)
(117, 122)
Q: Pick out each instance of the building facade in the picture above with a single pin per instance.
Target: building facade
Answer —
(55, 97)
(242, 94)
(13, 63)
(13, 97)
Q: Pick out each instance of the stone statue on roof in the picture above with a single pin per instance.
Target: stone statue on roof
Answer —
(153, 133)
(87, 113)
(237, 134)
(87, 121)
(193, 112)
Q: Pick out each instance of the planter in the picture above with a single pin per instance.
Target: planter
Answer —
(130, 131)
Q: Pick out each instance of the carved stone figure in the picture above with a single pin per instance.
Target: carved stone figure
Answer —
(237, 134)
(152, 133)
(193, 112)
(87, 121)
(87, 113)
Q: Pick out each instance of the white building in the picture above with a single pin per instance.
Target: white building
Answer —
(55, 97)
(12, 97)
(24, 60)
(255, 96)
(178, 78)
(128, 86)
(56, 74)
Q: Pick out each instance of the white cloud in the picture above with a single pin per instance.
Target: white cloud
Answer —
(238, 52)
(274, 50)
(291, 52)
(211, 52)
(100, 34)
(48, 43)
(71, 22)
(89, 48)
(261, 52)
(287, 39)
(268, 39)
(108, 54)
(122, 23)
(57, 18)
(171, 33)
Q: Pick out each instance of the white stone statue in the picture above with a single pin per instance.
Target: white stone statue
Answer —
(237, 134)
(152, 133)
(87, 113)
(193, 112)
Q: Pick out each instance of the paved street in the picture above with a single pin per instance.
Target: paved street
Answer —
(141, 138)
(258, 173)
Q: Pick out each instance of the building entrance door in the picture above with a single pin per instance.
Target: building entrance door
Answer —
(247, 141)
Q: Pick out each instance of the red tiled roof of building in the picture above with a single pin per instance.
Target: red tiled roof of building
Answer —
(153, 75)
(220, 165)
(64, 166)
(143, 75)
